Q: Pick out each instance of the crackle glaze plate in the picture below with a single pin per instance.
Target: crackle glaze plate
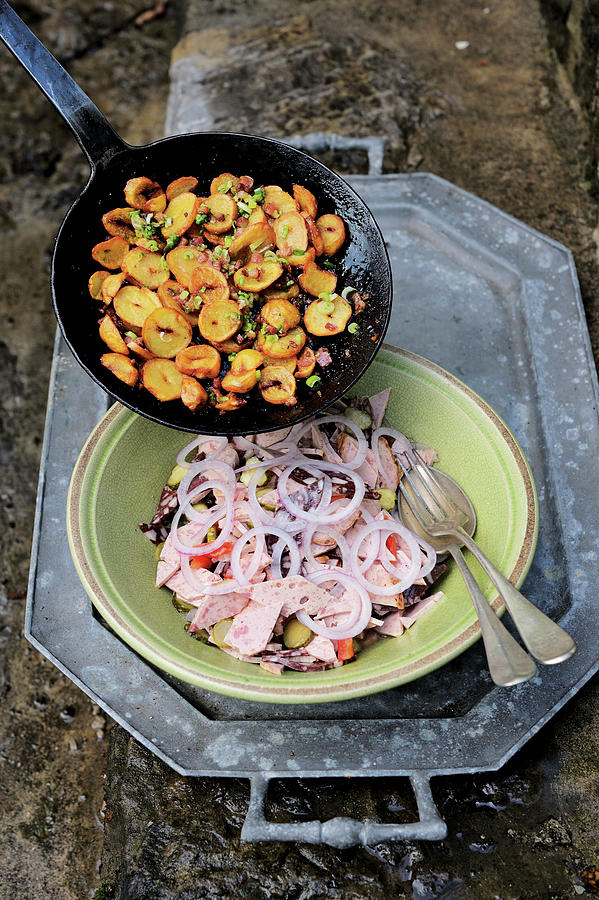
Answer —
(118, 479)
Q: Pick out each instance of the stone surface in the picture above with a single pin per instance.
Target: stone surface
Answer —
(52, 742)
(498, 118)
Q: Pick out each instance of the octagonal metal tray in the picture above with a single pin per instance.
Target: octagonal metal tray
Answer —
(494, 302)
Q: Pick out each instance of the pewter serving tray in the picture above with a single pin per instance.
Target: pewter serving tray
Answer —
(497, 304)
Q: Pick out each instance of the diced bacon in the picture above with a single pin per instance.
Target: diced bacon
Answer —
(323, 357)
(392, 625)
(213, 608)
(251, 629)
(408, 618)
(378, 405)
(389, 472)
(321, 648)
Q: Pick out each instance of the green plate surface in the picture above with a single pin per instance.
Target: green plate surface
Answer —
(118, 478)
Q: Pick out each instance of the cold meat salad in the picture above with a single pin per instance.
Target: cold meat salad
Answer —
(286, 549)
(217, 299)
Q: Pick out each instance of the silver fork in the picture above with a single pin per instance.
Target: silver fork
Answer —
(440, 514)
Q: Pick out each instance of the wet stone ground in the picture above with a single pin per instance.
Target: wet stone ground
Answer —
(85, 809)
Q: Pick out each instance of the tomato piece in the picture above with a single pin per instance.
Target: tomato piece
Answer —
(200, 562)
(223, 550)
(392, 546)
(345, 649)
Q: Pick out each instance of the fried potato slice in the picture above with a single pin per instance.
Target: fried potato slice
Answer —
(305, 199)
(193, 395)
(95, 283)
(277, 385)
(290, 233)
(225, 403)
(314, 235)
(299, 259)
(174, 296)
(332, 230)
(223, 212)
(199, 360)
(210, 284)
(289, 362)
(135, 345)
(255, 276)
(232, 345)
(282, 346)
(257, 217)
(162, 379)
(247, 361)
(219, 320)
(240, 382)
(305, 363)
(281, 314)
(121, 366)
(145, 194)
(165, 332)
(258, 237)
(111, 253)
(181, 212)
(327, 317)
(145, 267)
(277, 201)
(133, 305)
(286, 293)
(224, 184)
(183, 260)
(181, 186)
(316, 281)
(112, 336)
(111, 286)
(118, 223)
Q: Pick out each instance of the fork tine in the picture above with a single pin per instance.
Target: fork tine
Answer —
(426, 503)
(425, 472)
(416, 513)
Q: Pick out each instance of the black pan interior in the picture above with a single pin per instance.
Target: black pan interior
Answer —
(363, 262)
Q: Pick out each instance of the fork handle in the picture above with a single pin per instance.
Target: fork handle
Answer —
(508, 663)
(544, 638)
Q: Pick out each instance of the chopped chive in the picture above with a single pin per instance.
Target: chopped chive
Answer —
(258, 374)
(240, 280)
(289, 284)
(326, 264)
(188, 255)
(164, 264)
(228, 241)
(353, 328)
(231, 357)
(298, 252)
(324, 296)
(313, 381)
(153, 246)
(225, 186)
(168, 221)
(203, 289)
(131, 334)
(183, 295)
(140, 255)
(284, 231)
(201, 218)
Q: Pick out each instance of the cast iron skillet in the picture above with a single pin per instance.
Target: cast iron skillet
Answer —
(363, 262)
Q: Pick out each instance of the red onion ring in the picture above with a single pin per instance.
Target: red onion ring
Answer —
(358, 568)
(260, 531)
(181, 456)
(307, 546)
(212, 465)
(363, 611)
(317, 514)
(360, 456)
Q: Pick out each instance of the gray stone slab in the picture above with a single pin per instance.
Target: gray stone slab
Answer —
(496, 303)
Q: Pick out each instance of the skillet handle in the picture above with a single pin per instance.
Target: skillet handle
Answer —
(343, 832)
(97, 139)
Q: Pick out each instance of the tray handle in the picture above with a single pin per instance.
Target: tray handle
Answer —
(344, 832)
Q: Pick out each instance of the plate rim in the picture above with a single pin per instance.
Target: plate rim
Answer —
(308, 693)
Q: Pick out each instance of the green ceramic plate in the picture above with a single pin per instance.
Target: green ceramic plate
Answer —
(118, 478)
